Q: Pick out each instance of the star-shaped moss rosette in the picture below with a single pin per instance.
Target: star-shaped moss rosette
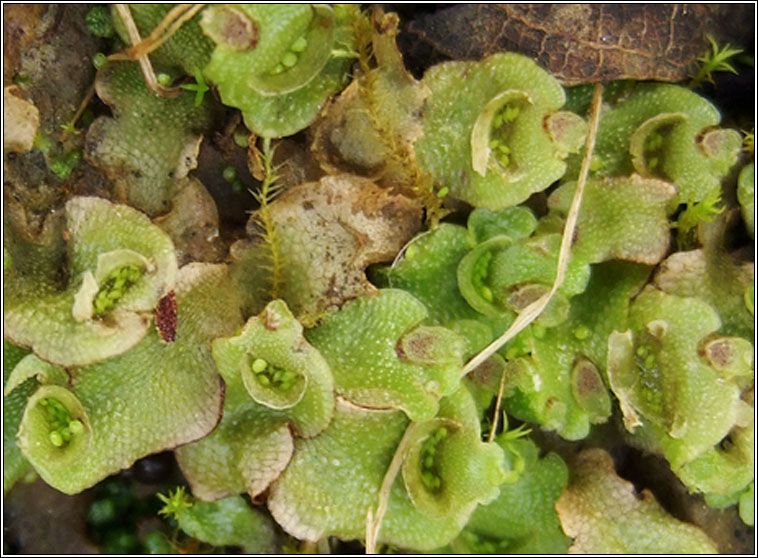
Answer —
(667, 132)
(119, 266)
(274, 61)
(522, 519)
(150, 143)
(82, 424)
(354, 454)
(187, 48)
(746, 196)
(620, 218)
(557, 378)
(15, 464)
(493, 132)
(382, 356)
(605, 515)
(277, 385)
(675, 381)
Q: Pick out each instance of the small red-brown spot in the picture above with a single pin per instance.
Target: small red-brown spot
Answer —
(587, 380)
(222, 391)
(415, 346)
(720, 352)
(239, 31)
(165, 317)
(66, 236)
(270, 320)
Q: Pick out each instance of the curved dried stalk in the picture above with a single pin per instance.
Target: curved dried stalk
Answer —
(532, 312)
(498, 403)
(374, 522)
(82, 106)
(177, 17)
(144, 62)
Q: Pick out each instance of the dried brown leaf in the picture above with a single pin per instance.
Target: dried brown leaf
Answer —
(330, 231)
(578, 43)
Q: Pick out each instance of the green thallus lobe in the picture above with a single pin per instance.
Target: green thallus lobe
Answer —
(62, 427)
(115, 287)
(429, 473)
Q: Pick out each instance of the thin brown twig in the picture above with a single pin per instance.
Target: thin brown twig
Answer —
(144, 62)
(80, 110)
(374, 522)
(155, 40)
(498, 403)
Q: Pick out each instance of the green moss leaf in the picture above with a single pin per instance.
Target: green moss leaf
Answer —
(276, 384)
(279, 369)
(747, 505)
(514, 222)
(488, 272)
(428, 272)
(15, 465)
(559, 382)
(246, 452)
(714, 275)
(665, 131)
(746, 196)
(725, 469)
(354, 453)
(278, 87)
(187, 48)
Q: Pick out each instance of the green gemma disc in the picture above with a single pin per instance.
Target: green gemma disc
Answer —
(54, 429)
(272, 376)
(115, 286)
(274, 386)
(62, 426)
(430, 476)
